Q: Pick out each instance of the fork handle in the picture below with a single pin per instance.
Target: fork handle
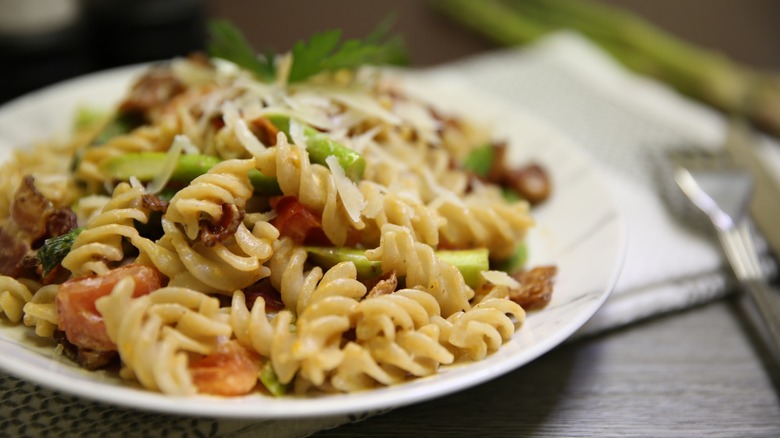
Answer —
(761, 295)
(742, 256)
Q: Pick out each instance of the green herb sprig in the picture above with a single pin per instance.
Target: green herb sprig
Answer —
(227, 42)
(323, 52)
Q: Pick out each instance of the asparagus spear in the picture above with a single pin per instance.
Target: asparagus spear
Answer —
(146, 165)
(701, 74)
(55, 249)
(320, 146)
(469, 262)
(271, 382)
(122, 123)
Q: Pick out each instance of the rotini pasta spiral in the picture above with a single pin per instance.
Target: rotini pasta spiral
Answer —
(313, 184)
(287, 274)
(225, 183)
(484, 219)
(154, 333)
(396, 329)
(41, 311)
(327, 314)
(399, 252)
(101, 241)
(385, 206)
(13, 296)
(484, 327)
(235, 262)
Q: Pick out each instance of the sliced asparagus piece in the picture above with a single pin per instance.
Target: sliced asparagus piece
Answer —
(469, 262)
(56, 248)
(320, 146)
(146, 165)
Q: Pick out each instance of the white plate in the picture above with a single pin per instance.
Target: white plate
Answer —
(579, 229)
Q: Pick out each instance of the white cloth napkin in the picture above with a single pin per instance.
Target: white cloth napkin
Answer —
(622, 120)
(626, 123)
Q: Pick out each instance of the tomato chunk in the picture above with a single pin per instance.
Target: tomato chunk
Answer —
(298, 222)
(79, 319)
(231, 370)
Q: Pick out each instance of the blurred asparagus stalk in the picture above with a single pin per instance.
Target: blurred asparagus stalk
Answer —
(699, 73)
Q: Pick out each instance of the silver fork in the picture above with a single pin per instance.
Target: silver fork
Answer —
(723, 192)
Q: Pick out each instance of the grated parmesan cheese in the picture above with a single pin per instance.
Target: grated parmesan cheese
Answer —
(351, 196)
(180, 143)
(500, 278)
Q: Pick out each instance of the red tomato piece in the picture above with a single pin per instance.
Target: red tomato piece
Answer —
(230, 371)
(298, 222)
(79, 319)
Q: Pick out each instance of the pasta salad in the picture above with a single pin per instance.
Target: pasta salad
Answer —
(292, 224)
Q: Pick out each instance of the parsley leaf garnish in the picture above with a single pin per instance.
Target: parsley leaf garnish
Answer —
(323, 52)
(227, 42)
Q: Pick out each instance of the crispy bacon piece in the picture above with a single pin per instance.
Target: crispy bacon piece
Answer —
(30, 208)
(152, 91)
(61, 221)
(12, 252)
(212, 232)
(33, 218)
(80, 320)
(264, 130)
(85, 358)
(154, 203)
(531, 181)
(263, 288)
(536, 287)
(230, 371)
(386, 284)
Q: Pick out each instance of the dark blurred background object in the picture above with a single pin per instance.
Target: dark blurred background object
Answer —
(132, 31)
(45, 41)
(40, 42)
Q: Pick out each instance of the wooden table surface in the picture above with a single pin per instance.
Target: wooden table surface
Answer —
(702, 372)
(696, 373)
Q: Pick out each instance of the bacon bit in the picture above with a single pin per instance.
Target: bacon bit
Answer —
(12, 252)
(263, 288)
(498, 167)
(304, 226)
(199, 58)
(61, 221)
(154, 203)
(152, 90)
(230, 371)
(30, 208)
(536, 287)
(264, 130)
(85, 358)
(33, 218)
(445, 121)
(80, 320)
(217, 122)
(386, 284)
(212, 233)
(531, 182)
